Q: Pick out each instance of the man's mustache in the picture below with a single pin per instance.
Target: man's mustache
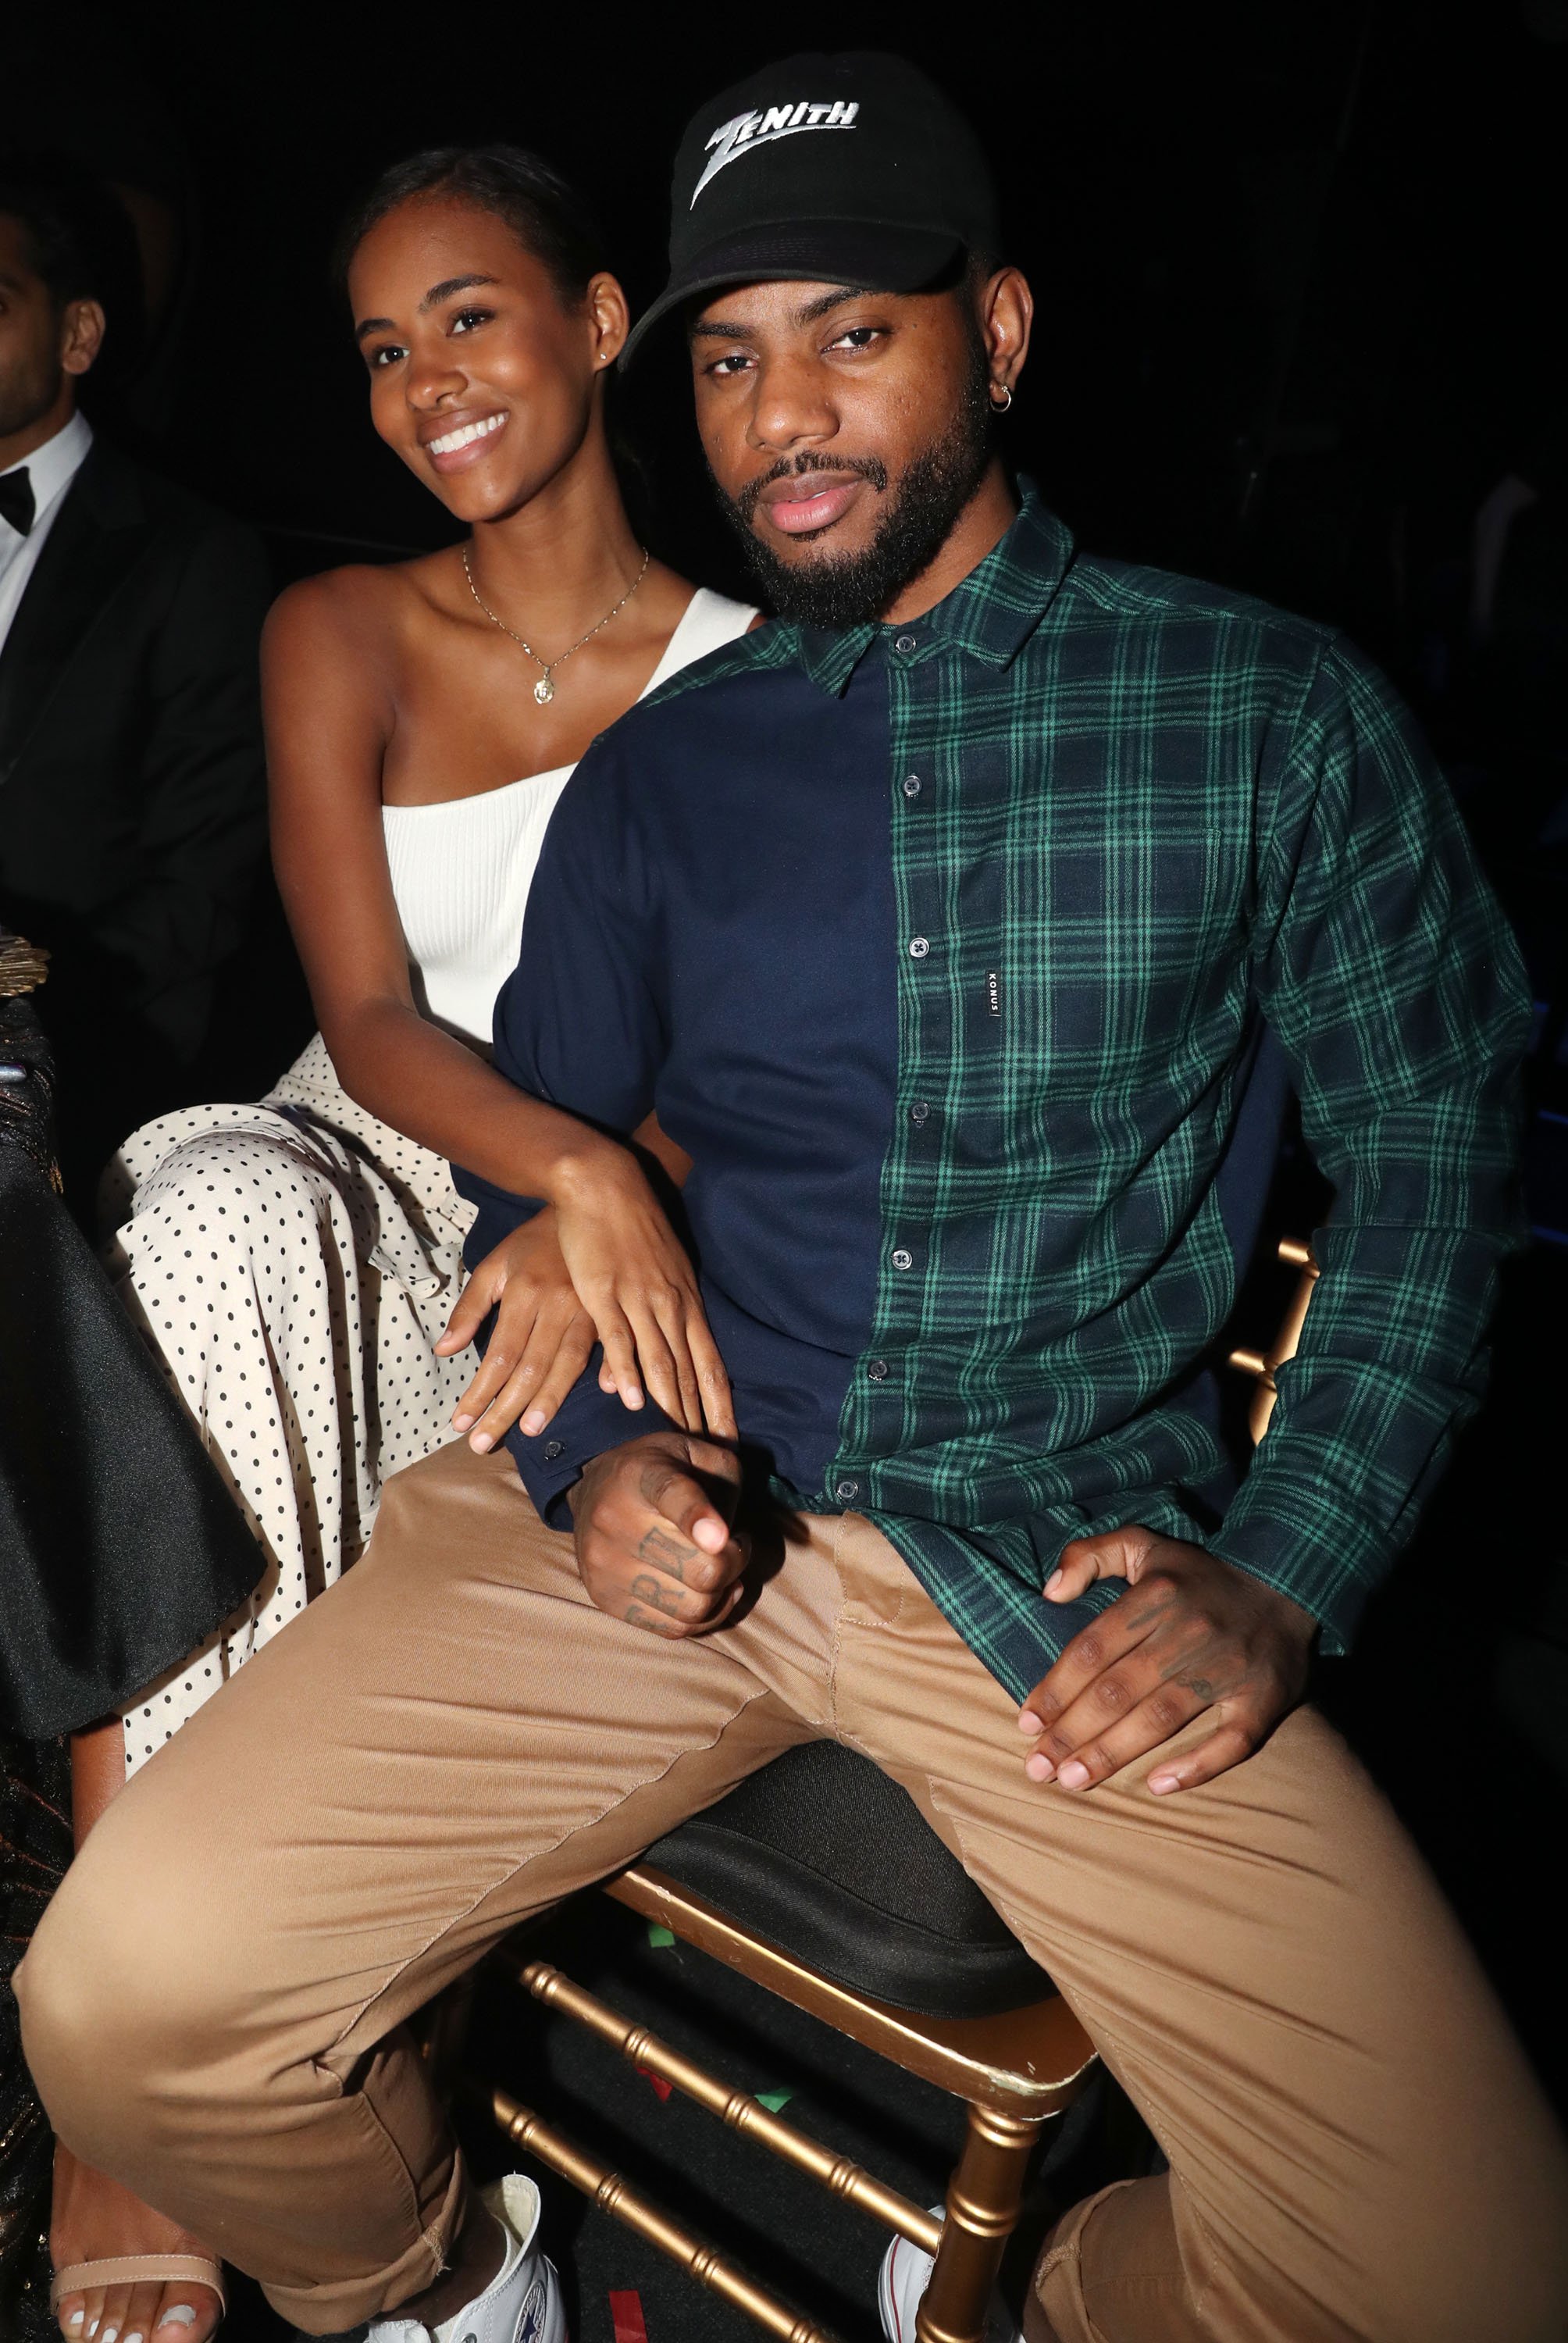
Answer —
(865, 467)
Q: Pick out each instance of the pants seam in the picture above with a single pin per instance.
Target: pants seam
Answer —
(539, 1854)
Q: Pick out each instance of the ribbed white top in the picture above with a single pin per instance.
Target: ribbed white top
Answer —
(461, 869)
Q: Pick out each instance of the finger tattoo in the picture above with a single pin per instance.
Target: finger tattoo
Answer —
(652, 1590)
(665, 1553)
(636, 1616)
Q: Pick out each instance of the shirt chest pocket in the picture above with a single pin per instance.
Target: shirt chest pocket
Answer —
(1084, 946)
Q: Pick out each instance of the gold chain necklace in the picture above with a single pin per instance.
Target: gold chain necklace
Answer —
(545, 691)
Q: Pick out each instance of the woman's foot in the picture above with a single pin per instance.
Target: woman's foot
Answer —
(95, 2219)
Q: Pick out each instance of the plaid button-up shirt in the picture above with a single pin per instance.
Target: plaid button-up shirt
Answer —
(1132, 816)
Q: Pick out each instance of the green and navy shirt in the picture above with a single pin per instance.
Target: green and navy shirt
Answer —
(947, 950)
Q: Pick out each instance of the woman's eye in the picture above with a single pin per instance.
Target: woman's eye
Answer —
(384, 356)
(467, 319)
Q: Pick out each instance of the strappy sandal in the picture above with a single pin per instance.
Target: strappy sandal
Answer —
(138, 2269)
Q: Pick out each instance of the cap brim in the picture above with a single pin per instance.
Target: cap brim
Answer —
(831, 252)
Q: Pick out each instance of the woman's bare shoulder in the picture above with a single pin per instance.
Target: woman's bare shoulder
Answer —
(363, 604)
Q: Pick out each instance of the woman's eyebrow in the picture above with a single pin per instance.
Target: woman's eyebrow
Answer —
(450, 284)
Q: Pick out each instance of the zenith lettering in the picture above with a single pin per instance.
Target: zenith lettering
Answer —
(751, 130)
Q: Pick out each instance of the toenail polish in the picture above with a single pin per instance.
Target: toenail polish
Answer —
(107, 2334)
(181, 2315)
(75, 2318)
(135, 2336)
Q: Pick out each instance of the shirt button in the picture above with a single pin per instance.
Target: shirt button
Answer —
(902, 1258)
(912, 785)
(878, 1369)
(552, 1450)
(845, 1491)
(918, 947)
(920, 1113)
(905, 644)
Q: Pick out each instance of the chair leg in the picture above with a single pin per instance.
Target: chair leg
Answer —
(983, 2197)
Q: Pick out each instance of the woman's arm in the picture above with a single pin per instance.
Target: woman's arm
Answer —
(328, 670)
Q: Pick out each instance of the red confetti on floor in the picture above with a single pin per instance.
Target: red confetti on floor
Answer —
(625, 2315)
(660, 2085)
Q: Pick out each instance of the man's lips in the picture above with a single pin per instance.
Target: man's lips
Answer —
(814, 500)
(460, 443)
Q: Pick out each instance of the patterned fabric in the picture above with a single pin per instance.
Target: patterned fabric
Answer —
(291, 1264)
(1131, 815)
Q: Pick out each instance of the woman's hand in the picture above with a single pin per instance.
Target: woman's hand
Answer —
(603, 1263)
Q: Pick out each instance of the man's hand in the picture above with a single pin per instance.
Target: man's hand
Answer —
(653, 1536)
(1192, 1635)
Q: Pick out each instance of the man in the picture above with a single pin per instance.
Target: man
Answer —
(131, 775)
(937, 921)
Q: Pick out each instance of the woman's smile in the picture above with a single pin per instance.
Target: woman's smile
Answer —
(457, 448)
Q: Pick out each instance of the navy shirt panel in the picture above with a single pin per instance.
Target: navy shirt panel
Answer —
(727, 954)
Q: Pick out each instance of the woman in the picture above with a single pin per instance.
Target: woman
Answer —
(295, 1262)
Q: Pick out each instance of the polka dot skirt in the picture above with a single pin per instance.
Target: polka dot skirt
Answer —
(292, 1263)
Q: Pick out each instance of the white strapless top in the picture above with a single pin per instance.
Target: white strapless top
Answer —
(461, 869)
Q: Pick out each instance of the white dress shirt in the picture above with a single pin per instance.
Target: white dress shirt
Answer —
(51, 469)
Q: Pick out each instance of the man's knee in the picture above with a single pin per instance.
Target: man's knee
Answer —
(122, 1997)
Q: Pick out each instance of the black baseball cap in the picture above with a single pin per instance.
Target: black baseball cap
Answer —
(854, 168)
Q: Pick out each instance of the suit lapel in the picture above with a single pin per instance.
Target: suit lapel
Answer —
(99, 536)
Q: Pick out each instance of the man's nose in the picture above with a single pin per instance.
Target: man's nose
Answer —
(791, 408)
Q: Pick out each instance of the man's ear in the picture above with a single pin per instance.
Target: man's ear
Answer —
(81, 329)
(1006, 308)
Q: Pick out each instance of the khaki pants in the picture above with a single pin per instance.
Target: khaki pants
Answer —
(453, 1737)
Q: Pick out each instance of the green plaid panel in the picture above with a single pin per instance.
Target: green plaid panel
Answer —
(1130, 815)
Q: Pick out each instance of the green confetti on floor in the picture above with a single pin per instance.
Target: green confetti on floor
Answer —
(774, 2101)
(659, 1937)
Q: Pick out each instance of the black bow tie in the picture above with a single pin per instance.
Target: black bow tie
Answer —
(16, 502)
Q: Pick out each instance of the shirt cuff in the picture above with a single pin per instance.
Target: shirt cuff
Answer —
(1280, 1529)
(589, 1422)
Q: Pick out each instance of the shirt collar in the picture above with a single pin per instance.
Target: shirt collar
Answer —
(990, 614)
(53, 466)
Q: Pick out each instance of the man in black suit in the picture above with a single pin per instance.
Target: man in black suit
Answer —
(132, 801)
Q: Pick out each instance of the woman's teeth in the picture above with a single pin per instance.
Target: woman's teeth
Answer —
(466, 436)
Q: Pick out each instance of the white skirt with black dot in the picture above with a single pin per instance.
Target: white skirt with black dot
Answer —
(292, 1263)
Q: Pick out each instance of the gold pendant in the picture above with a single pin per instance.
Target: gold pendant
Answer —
(544, 690)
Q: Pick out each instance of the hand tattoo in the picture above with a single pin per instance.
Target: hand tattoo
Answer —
(665, 1553)
(648, 1589)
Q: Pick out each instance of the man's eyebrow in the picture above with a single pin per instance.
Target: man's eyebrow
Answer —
(723, 330)
(436, 296)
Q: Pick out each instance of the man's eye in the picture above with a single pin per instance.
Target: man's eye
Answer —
(859, 338)
(724, 368)
(467, 319)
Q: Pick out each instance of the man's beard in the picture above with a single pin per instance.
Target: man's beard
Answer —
(919, 517)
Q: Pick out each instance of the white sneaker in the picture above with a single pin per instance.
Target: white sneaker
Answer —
(901, 2283)
(522, 2303)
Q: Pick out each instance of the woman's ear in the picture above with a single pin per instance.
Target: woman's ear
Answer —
(609, 317)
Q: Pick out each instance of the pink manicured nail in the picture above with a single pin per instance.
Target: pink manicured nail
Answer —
(533, 1421)
(1038, 1767)
(1028, 1723)
(1074, 1776)
(481, 1443)
(1161, 1782)
(461, 1422)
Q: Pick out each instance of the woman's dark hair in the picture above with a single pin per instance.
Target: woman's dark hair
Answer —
(543, 211)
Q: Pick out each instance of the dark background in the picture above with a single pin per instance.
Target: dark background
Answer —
(1299, 270)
